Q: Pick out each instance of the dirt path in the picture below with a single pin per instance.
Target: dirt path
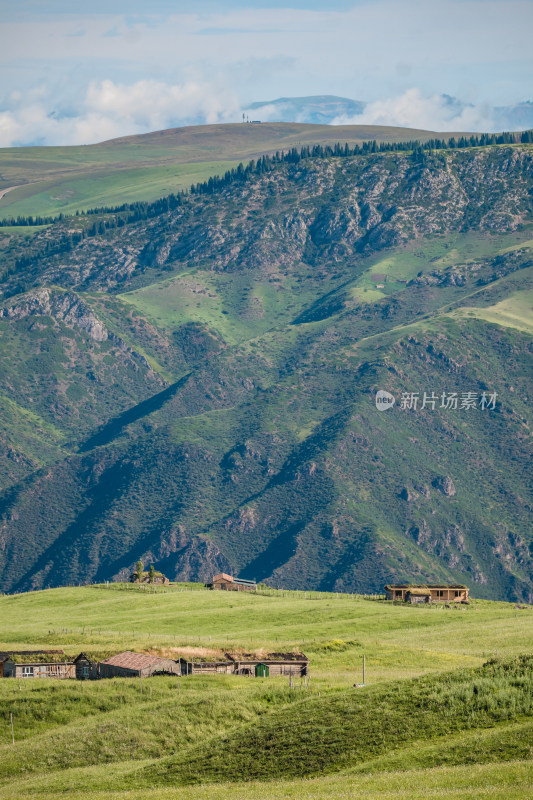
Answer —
(3, 192)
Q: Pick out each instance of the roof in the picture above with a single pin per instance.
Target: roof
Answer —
(81, 657)
(419, 592)
(266, 659)
(130, 660)
(30, 652)
(147, 573)
(223, 577)
(34, 656)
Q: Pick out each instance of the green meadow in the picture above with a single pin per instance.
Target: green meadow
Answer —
(447, 709)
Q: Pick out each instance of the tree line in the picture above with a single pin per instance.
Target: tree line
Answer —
(140, 210)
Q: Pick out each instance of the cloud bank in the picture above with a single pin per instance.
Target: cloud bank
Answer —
(411, 109)
(110, 109)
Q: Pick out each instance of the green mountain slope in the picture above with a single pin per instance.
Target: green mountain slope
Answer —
(52, 180)
(211, 372)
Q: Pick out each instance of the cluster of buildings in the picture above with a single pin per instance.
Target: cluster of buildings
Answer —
(54, 664)
(406, 593)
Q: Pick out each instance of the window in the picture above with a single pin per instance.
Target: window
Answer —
(27, 672)
(458, 594)
(85, 671)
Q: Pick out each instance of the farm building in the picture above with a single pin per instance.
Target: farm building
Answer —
(205, 667)
(156, 578)
(36, 664)
(85, 669)
(136, 665)
(295, 664)
(229, 584)
(429, 593)
(7, 665)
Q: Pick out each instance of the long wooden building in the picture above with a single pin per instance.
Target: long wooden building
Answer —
(36, 664)
(427, 593)
(295, 664)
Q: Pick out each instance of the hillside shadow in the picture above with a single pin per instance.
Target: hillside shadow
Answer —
(279, 551)
(115, 426)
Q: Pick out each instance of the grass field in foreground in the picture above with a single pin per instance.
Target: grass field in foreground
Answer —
(424, 678)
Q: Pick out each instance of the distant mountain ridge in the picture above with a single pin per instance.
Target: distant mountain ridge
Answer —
(327, 109)
(316, 109)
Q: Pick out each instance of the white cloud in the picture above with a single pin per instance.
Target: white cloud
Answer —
(111, 109)
(411, 109)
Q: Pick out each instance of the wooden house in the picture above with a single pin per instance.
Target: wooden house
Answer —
(205, 667)
(427, 593)
(84, 668)
(137, 665)
(7, 666)
(295, 664)
(230, 584)
(36, 664)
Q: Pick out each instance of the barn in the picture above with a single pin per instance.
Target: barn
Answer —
(136, 665)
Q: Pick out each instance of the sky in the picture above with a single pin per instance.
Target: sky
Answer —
(77, 73)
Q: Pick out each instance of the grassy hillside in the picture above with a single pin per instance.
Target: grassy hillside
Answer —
(430, 671)
(194, 384)
(53, 180)
(206, 366)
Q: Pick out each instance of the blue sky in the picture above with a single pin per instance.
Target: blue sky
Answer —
(78, 72)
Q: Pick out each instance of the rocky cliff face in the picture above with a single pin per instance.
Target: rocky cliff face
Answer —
(63, 306)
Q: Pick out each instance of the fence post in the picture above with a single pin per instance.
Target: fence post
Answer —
(12, 729)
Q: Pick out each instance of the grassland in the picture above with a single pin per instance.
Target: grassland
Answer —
(165, 738)
(513, 312)
(51, 180)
